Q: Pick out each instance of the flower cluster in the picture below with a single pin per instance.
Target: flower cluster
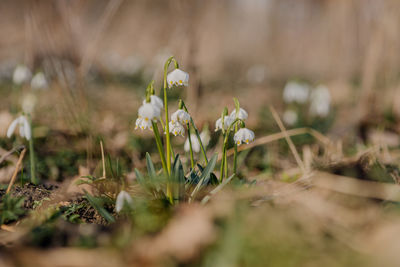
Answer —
(300, 96)
(22, 74)
(243, 135)
(178, 119)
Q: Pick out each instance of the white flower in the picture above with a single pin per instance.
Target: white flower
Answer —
(320, 101)
(180, 116)
(243, 136)
(39, 81)
(24, 127)
(21, 74)
(176, 128)
(155, 101)
(143, 124)
(227, 122)
(204, 137)
(295, 92)
(147, 113)
(122, 199)
(177, 77)
(242, 114)
(290, 117)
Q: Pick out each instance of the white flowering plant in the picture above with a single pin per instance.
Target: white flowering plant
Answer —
(179, 184)
(307, 106)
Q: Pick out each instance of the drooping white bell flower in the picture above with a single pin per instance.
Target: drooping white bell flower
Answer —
(21, 74)
(155, 101)
(147, 113)
(295, 92)
(320, 101)
(227, 122)
(241, 114)
(24, 127)
(204, 137)
(180, 116)
(122, 199)
(177, 77)
(290, 117)
(243, 136)
(39, 82)
(176, 128)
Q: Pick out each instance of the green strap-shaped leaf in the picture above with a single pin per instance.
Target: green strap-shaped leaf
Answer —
(150, 167)
(204, 175)
(99, 207)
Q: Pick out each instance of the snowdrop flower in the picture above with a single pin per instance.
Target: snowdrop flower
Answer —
(243, 136)
(242, 114)
(295, 92)
(21, 74)
(147, 113)
(204, 137)
(176, 128)
(290, 117)
(180, 116)
(155, 101)
(39, 81)
(24, 127)
(122, 198)
(227, 122)
(177, 77)
(320, 101)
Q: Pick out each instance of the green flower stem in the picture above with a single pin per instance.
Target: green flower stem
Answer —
(167, 134)
(190, 146)
(32, 160)
(196, 131)
(235, 153)
(224, 163)
(159, 146)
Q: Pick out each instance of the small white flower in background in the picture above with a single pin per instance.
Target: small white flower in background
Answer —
(28, 103)
(180, 116)
(176, 128)
(122, 199)
(155, 101)
(147, 113)
(320, 101)
(242, 114)
(24, 127)
(21, 74)
(295, 92)
(290, 117)
(243, 136)
(205, 139)
(39, 81)
(227, 122)
(177, 77)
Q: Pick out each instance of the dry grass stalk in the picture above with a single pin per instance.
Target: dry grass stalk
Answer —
(21, 157)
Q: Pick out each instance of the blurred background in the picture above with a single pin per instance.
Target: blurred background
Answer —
(95, 59)
(80, 69)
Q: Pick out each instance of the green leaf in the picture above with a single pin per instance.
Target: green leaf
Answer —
(150, 167)
(97, 203)
(140, 178)
(205, 175)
